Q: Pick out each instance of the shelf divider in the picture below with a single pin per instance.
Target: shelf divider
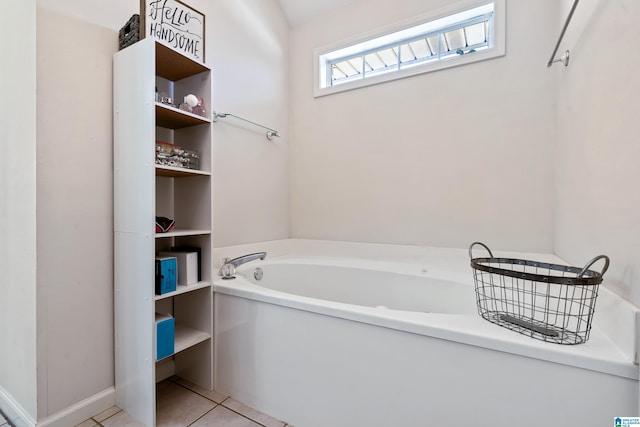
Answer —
(182, 233)
(188, 337)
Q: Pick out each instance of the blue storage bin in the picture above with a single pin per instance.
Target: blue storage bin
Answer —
(165, 335)
(166, 274)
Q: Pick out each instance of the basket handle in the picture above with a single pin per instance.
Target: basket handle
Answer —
(593, 261)
(481, 244)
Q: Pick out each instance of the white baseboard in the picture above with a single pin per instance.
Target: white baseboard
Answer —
(82, 410)
(14, 411)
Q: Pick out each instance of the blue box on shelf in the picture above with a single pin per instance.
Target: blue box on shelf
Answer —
(165, 335)
(166, 275)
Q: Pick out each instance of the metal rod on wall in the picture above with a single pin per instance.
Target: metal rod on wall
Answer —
(565, 57)
(270, 132)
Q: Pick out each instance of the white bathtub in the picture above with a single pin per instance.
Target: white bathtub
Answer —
(338, 280)
(323, 341)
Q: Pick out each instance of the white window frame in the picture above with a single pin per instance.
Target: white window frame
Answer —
(324, 55)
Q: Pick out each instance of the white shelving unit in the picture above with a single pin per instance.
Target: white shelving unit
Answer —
(142, 191)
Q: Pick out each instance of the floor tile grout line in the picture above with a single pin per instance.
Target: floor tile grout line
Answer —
(200, 394)
(201, 416)
(113, 415)
(229, 409)
(242, 415)
(223, 405)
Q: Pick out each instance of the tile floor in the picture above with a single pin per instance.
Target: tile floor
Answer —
(3, 421)
(182, 404)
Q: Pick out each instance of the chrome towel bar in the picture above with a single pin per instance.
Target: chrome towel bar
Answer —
(270, 132)
(565, 57)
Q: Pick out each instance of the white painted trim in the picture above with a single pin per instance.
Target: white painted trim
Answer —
(70, 416)
(82, 410)
(14, 411)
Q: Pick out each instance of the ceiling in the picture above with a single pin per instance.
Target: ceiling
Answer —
(301, 11)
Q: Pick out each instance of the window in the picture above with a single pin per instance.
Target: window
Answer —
(463, 33)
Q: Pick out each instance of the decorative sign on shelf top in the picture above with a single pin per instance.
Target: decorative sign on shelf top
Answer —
(174, 24)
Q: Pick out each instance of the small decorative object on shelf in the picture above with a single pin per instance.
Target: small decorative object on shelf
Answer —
(184, 106)
(167, 100)
(164, 224)
(130, 33)
(193, 159)
(173, 155)
(190, 101)
(199, 108)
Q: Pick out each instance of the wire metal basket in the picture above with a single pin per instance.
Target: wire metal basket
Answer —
(548, 302)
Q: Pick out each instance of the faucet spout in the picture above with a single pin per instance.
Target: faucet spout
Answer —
(228, 269)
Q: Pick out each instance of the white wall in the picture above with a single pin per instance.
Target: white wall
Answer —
(247, 47)
(440, 159)
(597, 157)
(18, 382)
(248, 50)
(75, 210)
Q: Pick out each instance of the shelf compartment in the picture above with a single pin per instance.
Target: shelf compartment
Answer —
(187, 201)
(173, 118)
(174, 172)
(185, 338)
(183, 289)
(173, 66)
(195, 138)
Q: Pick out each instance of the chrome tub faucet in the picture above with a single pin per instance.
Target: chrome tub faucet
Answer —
(228, 269)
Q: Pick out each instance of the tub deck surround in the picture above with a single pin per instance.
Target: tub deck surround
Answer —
(281, 346)
(460, 323)
(613, 340)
